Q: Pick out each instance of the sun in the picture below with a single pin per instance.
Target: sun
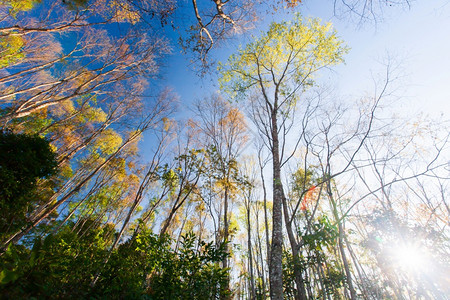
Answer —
(409, 256)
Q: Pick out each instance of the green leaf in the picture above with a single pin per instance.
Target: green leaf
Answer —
(7, 276)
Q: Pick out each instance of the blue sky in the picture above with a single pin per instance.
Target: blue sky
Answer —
(417, 38)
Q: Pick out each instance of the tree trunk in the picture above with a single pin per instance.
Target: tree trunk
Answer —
(341, 245)
(275, 263)
(345, 261)
(226, 229)
(261, 273)
(295, 248)
(266, 218)
(250, 255)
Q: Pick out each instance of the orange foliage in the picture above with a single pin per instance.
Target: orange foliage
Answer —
(293, 3)
(309, 197)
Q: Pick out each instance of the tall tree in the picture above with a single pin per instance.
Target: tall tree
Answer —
(223, 128)
(275, 69)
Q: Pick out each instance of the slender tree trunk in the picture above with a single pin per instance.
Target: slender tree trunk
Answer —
(176, 205)
(295, 248)
(326, 287)
(250, 254)
(136, 202)
(266, 218)
(262, 275)
(321, 284)
(275, 263)
(181, 229)
(359, 270)
(226, 233)
(345, 261)
(308, 286)
(70, 214)
(341, 245)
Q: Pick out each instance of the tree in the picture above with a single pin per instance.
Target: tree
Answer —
(274, 70)
(362, 10)
(215, 22)
(336, 165)
(96, 164)
(223, 130)
(366, 10)
(24, 159)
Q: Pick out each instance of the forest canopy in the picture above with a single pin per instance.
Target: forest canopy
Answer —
(113, 186)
